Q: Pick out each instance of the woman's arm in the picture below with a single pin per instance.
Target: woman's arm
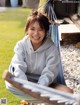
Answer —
(18, 66)
(50, 72)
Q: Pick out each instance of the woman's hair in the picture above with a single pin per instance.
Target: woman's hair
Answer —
(40, 18)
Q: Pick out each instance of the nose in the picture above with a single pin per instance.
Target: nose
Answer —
(36, 32)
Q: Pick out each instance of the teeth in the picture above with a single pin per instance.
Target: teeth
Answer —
(35, 38)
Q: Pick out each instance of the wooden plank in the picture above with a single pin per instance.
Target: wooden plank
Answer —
(7, 76)
(68, 29)
(42, 93)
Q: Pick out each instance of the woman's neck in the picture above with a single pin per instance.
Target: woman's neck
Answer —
(36, 46)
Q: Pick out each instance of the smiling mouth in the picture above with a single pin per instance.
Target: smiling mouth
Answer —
(36, 38)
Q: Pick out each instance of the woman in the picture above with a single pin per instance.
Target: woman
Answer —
(36, 57)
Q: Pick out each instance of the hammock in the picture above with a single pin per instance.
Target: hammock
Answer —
(55, 37)
(53, 32)
(49, 10)
(42, 93)
(35, 93)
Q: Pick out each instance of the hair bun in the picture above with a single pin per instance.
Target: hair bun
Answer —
(35, 13)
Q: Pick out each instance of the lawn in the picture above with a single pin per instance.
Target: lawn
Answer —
(12, 23)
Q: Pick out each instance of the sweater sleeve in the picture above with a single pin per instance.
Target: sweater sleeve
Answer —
(18, 65)
(50, 72)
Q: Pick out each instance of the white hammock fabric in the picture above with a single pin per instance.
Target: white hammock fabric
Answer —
(42, 93)
(52, 94)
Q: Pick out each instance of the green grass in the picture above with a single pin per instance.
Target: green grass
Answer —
(12, 23)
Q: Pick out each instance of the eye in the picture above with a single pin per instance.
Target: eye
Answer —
(40, 29)
(32, 28)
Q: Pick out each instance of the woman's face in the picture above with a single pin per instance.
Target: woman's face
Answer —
(36, 34)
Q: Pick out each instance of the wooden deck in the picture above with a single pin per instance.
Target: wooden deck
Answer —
(68, 29)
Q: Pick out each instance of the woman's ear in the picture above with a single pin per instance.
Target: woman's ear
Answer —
(26, 33)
